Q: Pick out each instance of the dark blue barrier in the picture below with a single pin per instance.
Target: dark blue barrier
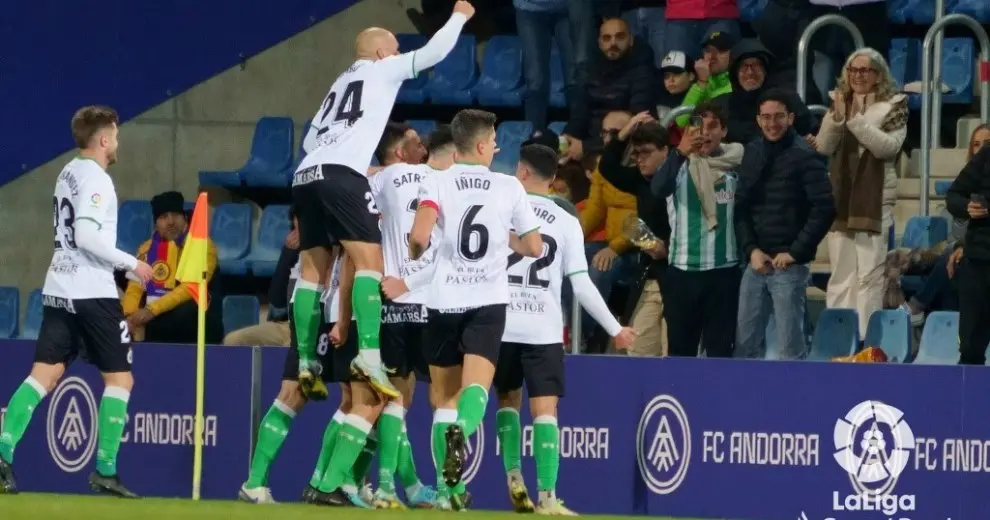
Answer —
(700, 438)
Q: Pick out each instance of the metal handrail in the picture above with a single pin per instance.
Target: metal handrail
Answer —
(929, 92)
(676, 112)
(818, 110)
(802, 52)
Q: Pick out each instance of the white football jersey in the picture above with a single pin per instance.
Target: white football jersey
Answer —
(396, 193)
(353, 115)
(83, 191)
(534, 315)
(477, 209)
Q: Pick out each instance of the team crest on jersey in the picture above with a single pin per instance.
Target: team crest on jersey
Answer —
(160, 271)
(95, 200)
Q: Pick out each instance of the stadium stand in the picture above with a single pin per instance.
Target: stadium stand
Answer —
(270, 155)
(454, 77)
(413, 90)
(510, 135)
(500, 84)
(272, 229)
(230, 230)
(750, 10)
(557, 97)
(10, 310)
(31, 325)
(939, 339)
(836, 334)
(423, 127)
(979, 9)
(890, 331)
(134, 224)
(958, 65)
(240, 311)
(924, 231)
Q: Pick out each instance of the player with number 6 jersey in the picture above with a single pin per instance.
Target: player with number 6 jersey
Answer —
(333, 199)
(532, 350)
(82, 311)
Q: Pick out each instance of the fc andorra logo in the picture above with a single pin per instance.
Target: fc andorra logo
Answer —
(663, 444)
(71, 425)
(872, 444)
(476, 452)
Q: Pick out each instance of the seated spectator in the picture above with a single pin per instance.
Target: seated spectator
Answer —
(748, 72)
(678, 76)
(865, 126)
(689, 21)
(701, 286)
(162, 310)
(650, 145)
(784, 208)
(275, 331)
(620, 77)
(711, 73)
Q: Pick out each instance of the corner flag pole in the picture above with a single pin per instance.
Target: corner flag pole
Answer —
(192, 272)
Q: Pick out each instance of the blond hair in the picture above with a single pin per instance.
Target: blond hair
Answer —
(886, 86)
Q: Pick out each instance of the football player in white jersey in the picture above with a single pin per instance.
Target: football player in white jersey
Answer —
(475, 211)
(532, 349)
(333, 199)
(81, 305)
(396, 192)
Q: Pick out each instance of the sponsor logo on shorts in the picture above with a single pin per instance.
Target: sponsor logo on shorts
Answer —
(71, 425)
(663, 444)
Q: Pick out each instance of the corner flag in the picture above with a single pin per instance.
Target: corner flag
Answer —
(193, 263)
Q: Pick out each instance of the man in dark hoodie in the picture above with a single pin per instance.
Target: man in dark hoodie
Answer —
(619, 78)
(749, 71)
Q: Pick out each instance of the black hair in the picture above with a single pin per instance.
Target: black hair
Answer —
(715, 110)
(542, 159)
(440, 138)
(394, 134)
(775, 94)
(650, 132)
(467, 127)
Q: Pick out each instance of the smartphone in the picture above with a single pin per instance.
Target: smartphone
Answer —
(697, 121)
(979, 199)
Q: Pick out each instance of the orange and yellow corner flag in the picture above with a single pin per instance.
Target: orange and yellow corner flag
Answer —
(193, 263)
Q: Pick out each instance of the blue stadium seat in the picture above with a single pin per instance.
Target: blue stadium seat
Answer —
(890, 331)
(557, 97)
(509, 136)
(750, 10)
(453, 77)
(920, 12)
(32, 317)
(939, 339)
(979, 9)
(836, 334)
(958, 64)
(272, 229)
(270, 155)
(231, 232)
(240, 311)
(134, 224)
(924, 231)
(557, 127)
(905, 60)
(423, 127)
(942, 188)
(500, 84)
(413, 90)
(10, 311)
(300, 154)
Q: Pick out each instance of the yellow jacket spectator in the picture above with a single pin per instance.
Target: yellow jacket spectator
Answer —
(606, 204)
(162, 310)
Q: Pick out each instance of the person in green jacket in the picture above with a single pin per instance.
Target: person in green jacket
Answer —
(712, 72)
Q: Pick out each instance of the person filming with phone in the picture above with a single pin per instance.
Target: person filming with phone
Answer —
(701, 286)
(967, 199)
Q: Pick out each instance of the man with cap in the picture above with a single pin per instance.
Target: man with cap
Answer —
(712, 73)
(161, 310)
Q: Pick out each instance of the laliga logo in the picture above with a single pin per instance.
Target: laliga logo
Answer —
(476, 452)
(663, 444)
(72, 440)
(872, 444)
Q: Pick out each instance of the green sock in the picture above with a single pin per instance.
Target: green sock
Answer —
(471, 408)
(390, 438)
(329, 441)
(363, 463)
(306, 314)
(19, 411)
(546, 450)
(442, 418)
(366, 299)
(406, 468)
(510, 438)
(271, 433)
(350, 442)
(113, 417)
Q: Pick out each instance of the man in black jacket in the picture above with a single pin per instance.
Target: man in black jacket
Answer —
(967, 199)
(784, 208)
(650, 143)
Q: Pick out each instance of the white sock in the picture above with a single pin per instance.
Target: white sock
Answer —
(372, 356)
(547, 497)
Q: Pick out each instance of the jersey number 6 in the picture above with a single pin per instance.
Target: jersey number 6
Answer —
(468, 229)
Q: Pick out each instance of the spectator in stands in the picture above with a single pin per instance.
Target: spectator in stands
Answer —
(864, 127)
(779, 27)
(275, 331)
(620, 77)
(712, 73)
(650, 145)
(678, 76)
(570, 24)
(784, 208)
(692, 21)
(938, 292)
(967, 199)
(162, 310)
(748, 70)
(701, 286)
